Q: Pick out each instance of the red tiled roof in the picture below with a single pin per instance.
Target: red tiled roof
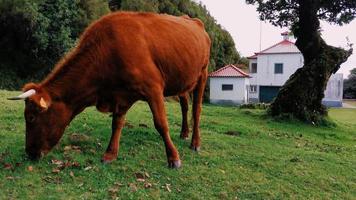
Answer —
(229, 71)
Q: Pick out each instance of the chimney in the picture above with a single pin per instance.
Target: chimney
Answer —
(285, 35)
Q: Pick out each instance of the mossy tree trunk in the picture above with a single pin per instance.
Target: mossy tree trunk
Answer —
(302, 94)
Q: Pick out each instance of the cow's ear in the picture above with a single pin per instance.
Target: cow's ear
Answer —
(42, 100)
(44, 105)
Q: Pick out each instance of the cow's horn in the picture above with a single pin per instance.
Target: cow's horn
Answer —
(24, 95)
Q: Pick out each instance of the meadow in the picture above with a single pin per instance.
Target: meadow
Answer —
(245, 155)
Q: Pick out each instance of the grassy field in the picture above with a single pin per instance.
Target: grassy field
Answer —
(245, 155)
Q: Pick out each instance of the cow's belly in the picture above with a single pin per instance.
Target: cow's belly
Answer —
(173, 90)
(179, 83)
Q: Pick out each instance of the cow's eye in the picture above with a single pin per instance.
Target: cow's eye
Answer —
(31, 118)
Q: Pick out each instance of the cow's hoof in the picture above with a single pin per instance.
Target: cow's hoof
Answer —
(175, 164)
(107, 159)
(195, 148)
(183, 136)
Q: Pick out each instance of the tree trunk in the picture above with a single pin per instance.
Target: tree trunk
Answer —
(302, 94)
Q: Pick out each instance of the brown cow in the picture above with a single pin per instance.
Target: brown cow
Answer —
(120, 59)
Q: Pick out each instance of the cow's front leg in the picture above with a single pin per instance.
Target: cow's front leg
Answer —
(156, 103)
(118, 122)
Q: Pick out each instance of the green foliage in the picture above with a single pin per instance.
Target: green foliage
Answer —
(244, 62)
(140, 5)
(35, 34)
(350, 85)
(245, 155)
(55, 29)
(89, 10)
(352, 72)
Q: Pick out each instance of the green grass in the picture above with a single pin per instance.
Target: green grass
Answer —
(267, 160)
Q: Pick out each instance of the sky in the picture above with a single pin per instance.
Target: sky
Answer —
(242, 21)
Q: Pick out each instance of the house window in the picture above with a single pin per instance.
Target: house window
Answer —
(253, 88)
(253, 68)
(278, 68)
(226, 87)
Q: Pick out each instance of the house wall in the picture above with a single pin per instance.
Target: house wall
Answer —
(247, 85)
(334, 91)
(265, 75)
(238, 95)
(253, 96)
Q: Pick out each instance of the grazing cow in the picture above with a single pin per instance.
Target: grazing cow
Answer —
(120, 59)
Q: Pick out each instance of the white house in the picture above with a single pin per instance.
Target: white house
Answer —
(229, 85)
(271, 68)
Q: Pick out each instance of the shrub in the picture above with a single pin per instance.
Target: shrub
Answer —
(35, 34)
(261, 106)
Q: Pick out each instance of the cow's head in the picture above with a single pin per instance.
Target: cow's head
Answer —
(45, 118)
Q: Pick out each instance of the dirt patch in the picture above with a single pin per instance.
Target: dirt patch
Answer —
(77, 138)
(143, 125)
(233, 133)
(129, 125)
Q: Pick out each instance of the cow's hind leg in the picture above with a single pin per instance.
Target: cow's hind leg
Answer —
(183, 100)
(197, 104)
(156, 102)
(118, 122)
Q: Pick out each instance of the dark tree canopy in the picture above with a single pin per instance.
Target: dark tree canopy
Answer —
(36, 33)
(284, 13)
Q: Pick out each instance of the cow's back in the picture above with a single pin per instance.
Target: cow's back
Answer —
(167, 49)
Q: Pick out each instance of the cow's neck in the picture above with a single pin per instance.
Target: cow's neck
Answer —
(73, 82)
